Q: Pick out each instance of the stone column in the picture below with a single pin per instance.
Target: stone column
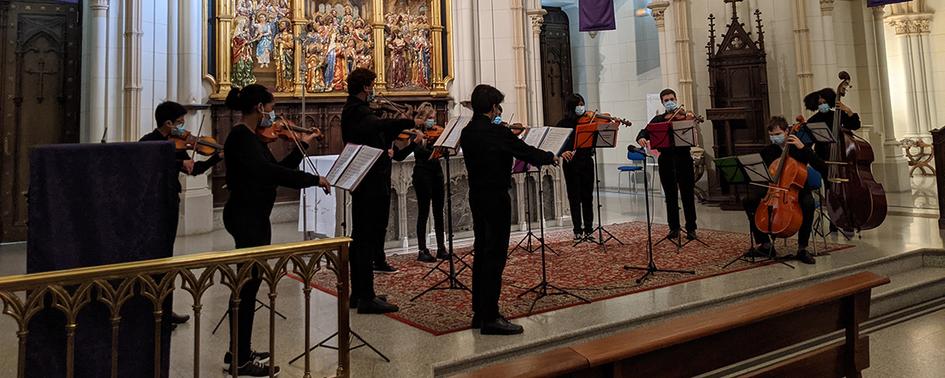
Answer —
(519, 54)
(912, 23)
(172, 41)
(465, 36)
(131, 116)
(658, 11)
(683, 54)
(535, 105)
(98, 58)
(829, 44)
(894, 167)
(802, 51)
(197, 201)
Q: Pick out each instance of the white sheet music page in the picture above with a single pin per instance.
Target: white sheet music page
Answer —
(344, 159)
(359, 167)
(685, 133)
(607, 135)
(452, 132)
(555, 139)
(534, 136)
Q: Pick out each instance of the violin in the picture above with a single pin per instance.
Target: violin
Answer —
(283, 128)
(205, 145)
(517, 128)
(680, 114)
(600, 118)
(779, 213)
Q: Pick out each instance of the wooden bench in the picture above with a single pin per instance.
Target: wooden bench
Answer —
(714, 339)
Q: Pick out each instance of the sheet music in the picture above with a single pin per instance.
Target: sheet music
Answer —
(452, 133)
(821, 132)
(555, 137)
(608, 135)
(534, 136)
(685, 133)
(344, 159)
(755, 168)
(358, 168)
(318, 213)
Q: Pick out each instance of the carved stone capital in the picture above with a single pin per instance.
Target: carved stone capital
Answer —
(826, 6)
(98, 5)
(537, 17)
(658, 9)
(911, 24)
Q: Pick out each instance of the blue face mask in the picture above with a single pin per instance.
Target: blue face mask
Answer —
(268, 121)
(179, 130)
(670, 105)
(777, 139)
(579, 110)
(497, 120)
(429, 123)
(823, 108)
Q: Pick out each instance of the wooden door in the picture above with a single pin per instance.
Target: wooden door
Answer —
(556, 84)
(40, 98)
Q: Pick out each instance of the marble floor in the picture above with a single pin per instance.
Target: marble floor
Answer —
(915, 348)
(415, 353)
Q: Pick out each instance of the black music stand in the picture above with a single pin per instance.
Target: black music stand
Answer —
(821, 133)
(526, 243)
(448, 144)
(597, 137)
(650, 267)
(677, 134)
(747, 170)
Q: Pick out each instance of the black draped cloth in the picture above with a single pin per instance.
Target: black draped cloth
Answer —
(97, 204)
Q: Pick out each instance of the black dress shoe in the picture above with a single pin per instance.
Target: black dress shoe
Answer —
(691, 235)
(805, 257)
(673, 234)
(500, 326)
(261, 357)
(254, 369)
(442, 253)
(376, 306)
(353, 301)
(476, 323)
(765, 251)
(384, 267)
(425, 256)
(178, 318)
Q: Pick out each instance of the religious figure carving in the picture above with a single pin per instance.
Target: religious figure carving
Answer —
(264, 40)
(242, 54)
(409, 45)
(285, 57)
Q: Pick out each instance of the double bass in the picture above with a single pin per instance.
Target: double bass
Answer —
(779, 213)
(855, 201)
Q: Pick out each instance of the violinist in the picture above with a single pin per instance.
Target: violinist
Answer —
(428, 183)
(578, 173)
(675, 169)
(489, 148)
(370, 201)
(170, 122)
(824, 103)
(252, 176)
(803, 153)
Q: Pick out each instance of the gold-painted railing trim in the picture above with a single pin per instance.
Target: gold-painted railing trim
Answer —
(67, 276)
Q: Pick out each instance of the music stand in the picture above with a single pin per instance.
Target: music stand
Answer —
(671, 134)
(525, 244)
(821, 133)
(746, 170)
(448, 142)
(596, 137)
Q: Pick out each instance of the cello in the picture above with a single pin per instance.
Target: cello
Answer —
(855, 201)
(779, 213)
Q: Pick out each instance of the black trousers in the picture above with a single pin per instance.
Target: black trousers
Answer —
(429, 188)
(579, 179)
(249, 227)
(492, 221)
(369, 214)
(805, 199)
(677, 178)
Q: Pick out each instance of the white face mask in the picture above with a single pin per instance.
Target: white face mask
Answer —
(268, 121)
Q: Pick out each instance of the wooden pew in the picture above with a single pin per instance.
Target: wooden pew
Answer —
(703, 342)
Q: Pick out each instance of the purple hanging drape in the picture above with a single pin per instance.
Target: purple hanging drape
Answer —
(597, 15)
(877, 3)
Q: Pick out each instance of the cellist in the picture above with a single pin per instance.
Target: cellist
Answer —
(778, 134)
(676, 170)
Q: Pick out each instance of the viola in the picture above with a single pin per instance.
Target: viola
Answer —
(779, 213)
(681, 114)
(205, 145)
(855, 201)
(283, 128)
(601, 118)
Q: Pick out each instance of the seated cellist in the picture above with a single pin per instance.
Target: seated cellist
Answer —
(777, 132)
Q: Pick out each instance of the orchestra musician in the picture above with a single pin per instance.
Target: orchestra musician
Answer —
(370, 201)
(169, 116)
(803, 153)
(428, 183)
(578, 173)
(252, 175)
(824, 103)
(675, 169)
(489, 147)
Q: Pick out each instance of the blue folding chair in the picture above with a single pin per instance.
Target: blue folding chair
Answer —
(631, 170)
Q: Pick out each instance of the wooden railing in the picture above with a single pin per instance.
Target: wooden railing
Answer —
(69, 291)
(704, 342)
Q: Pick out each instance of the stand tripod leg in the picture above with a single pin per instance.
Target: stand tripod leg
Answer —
(259, 305)
(324, 343)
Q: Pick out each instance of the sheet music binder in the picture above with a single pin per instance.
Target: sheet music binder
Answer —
(346, 175)
(551, 139)
(660, 133)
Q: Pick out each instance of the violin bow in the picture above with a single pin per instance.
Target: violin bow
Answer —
(193, 154)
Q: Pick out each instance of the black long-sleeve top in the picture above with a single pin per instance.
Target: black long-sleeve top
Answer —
(252, 173)
(579, 153)
(359, 125)
(488, 151)
(846, 122)
(804, 155)
(644, 134)
(199, 167)
(423, 164)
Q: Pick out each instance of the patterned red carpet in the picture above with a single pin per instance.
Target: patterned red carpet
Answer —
(595, 273)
